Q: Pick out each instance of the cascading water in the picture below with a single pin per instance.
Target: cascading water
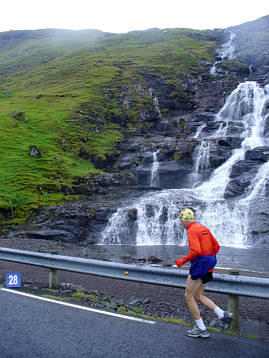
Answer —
(153, 219)
(243, 111)
(154, 169)
(202, 163)
(225, 51)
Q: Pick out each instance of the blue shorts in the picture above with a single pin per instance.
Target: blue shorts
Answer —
(201, 265)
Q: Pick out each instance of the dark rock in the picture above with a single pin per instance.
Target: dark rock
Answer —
(132, 214)
(169, 126)
(126, 161)
(258, 220)
(244, 171)
(53, 234)
(84, 154)
(174, 174)
(105, 163)
(258, 154)
(171, 174)
(19, 115)
(146, 301)
(220, 151)
(241, 176)
(154, 259)
(35, 152)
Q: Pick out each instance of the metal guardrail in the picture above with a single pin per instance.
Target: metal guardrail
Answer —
(232, 285)
(222, 283)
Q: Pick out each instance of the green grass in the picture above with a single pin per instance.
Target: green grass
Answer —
(88, 73)
(176, 321)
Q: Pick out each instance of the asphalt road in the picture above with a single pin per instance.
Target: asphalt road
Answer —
(33, 328)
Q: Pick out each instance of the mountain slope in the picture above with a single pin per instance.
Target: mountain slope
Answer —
(252, 41)
(81, 92)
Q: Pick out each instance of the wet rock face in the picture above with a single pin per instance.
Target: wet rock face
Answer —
(241, 177)
(67, 223)
(260, 154)
(258, 221)
(80, 221)
(171, 174)
(244, 171)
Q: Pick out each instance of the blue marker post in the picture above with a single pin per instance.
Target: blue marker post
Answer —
(13, 280)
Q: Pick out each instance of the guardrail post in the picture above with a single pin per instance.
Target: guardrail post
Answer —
(233, 306)
(53, 279)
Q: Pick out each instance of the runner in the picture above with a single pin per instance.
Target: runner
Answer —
(203, 250)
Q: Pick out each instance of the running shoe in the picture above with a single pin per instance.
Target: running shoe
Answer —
(198, 333)
(224, 323)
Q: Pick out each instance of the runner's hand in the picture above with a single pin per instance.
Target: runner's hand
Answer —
(179, 262)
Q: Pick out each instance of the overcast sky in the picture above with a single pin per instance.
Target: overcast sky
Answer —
(127, 15)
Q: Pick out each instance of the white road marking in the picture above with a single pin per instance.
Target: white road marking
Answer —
(79, 307)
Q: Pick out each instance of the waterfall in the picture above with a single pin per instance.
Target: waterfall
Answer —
(157, 106)
(154, 169)
(202, 163)
(153, 219)
(199, 130)
(225, 51)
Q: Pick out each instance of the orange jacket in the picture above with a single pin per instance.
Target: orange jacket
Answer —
(201, 242)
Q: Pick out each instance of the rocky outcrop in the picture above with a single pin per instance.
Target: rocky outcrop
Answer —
(78, 222)
(19, 115)
(244, 171)
(35, 152)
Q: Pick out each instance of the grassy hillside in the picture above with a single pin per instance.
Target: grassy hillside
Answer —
(68, 84)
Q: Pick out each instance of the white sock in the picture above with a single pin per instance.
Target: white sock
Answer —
(219, 312)
(200, 324)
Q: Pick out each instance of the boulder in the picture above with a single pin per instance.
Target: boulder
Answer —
(35, 152)
(19, 115)
(154, 259)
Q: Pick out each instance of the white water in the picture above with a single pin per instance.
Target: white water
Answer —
(154, 169)
(157, 106)
(157, 220)
(202, 163)
(225, 51)
(244, 109)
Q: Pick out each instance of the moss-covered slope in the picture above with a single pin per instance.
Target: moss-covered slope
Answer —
(72, 86)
